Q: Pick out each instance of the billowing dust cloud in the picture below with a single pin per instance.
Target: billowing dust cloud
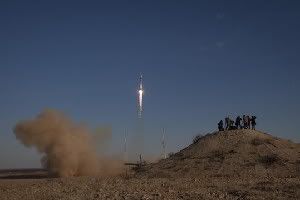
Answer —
(66, 146)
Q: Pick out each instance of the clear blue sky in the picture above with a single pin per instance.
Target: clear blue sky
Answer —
(201, 60)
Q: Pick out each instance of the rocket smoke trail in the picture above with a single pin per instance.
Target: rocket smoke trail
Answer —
(136, 148)
(138, 138)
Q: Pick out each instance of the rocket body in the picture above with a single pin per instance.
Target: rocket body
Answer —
(141, 82)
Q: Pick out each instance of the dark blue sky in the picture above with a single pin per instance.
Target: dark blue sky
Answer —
(201, 60)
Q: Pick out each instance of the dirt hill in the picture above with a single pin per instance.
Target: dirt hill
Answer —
(237, 153)
(233, 165)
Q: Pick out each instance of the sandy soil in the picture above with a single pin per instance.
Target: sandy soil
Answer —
(228, 165)
(149, 188)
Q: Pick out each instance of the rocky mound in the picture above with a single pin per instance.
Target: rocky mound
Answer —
(236, 153)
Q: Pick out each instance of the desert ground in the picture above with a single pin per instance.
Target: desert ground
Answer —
(240, 164)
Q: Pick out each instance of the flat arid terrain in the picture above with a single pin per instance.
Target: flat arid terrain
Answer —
(239, 164)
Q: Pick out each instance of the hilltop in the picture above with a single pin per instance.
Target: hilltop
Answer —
(235, 153)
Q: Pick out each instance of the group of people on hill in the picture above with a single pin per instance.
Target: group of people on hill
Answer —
(246, 122)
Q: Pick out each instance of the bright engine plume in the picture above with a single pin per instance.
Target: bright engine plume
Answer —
(140, 97)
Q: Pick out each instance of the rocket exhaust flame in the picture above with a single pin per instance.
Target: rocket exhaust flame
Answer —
(140, 97)
(141, 100)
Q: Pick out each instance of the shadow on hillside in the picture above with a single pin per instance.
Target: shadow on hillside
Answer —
(25, 174)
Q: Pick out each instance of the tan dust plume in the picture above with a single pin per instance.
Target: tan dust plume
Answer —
(67, 147)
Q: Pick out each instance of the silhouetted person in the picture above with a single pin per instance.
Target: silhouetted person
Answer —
(227, 123)
(238, 122)
(220, 125)
(231, 125)
(253, 122)
(244, 122)
(248, 119)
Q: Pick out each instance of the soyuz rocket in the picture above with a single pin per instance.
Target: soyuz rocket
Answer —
(141, 83)
(140, 97)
